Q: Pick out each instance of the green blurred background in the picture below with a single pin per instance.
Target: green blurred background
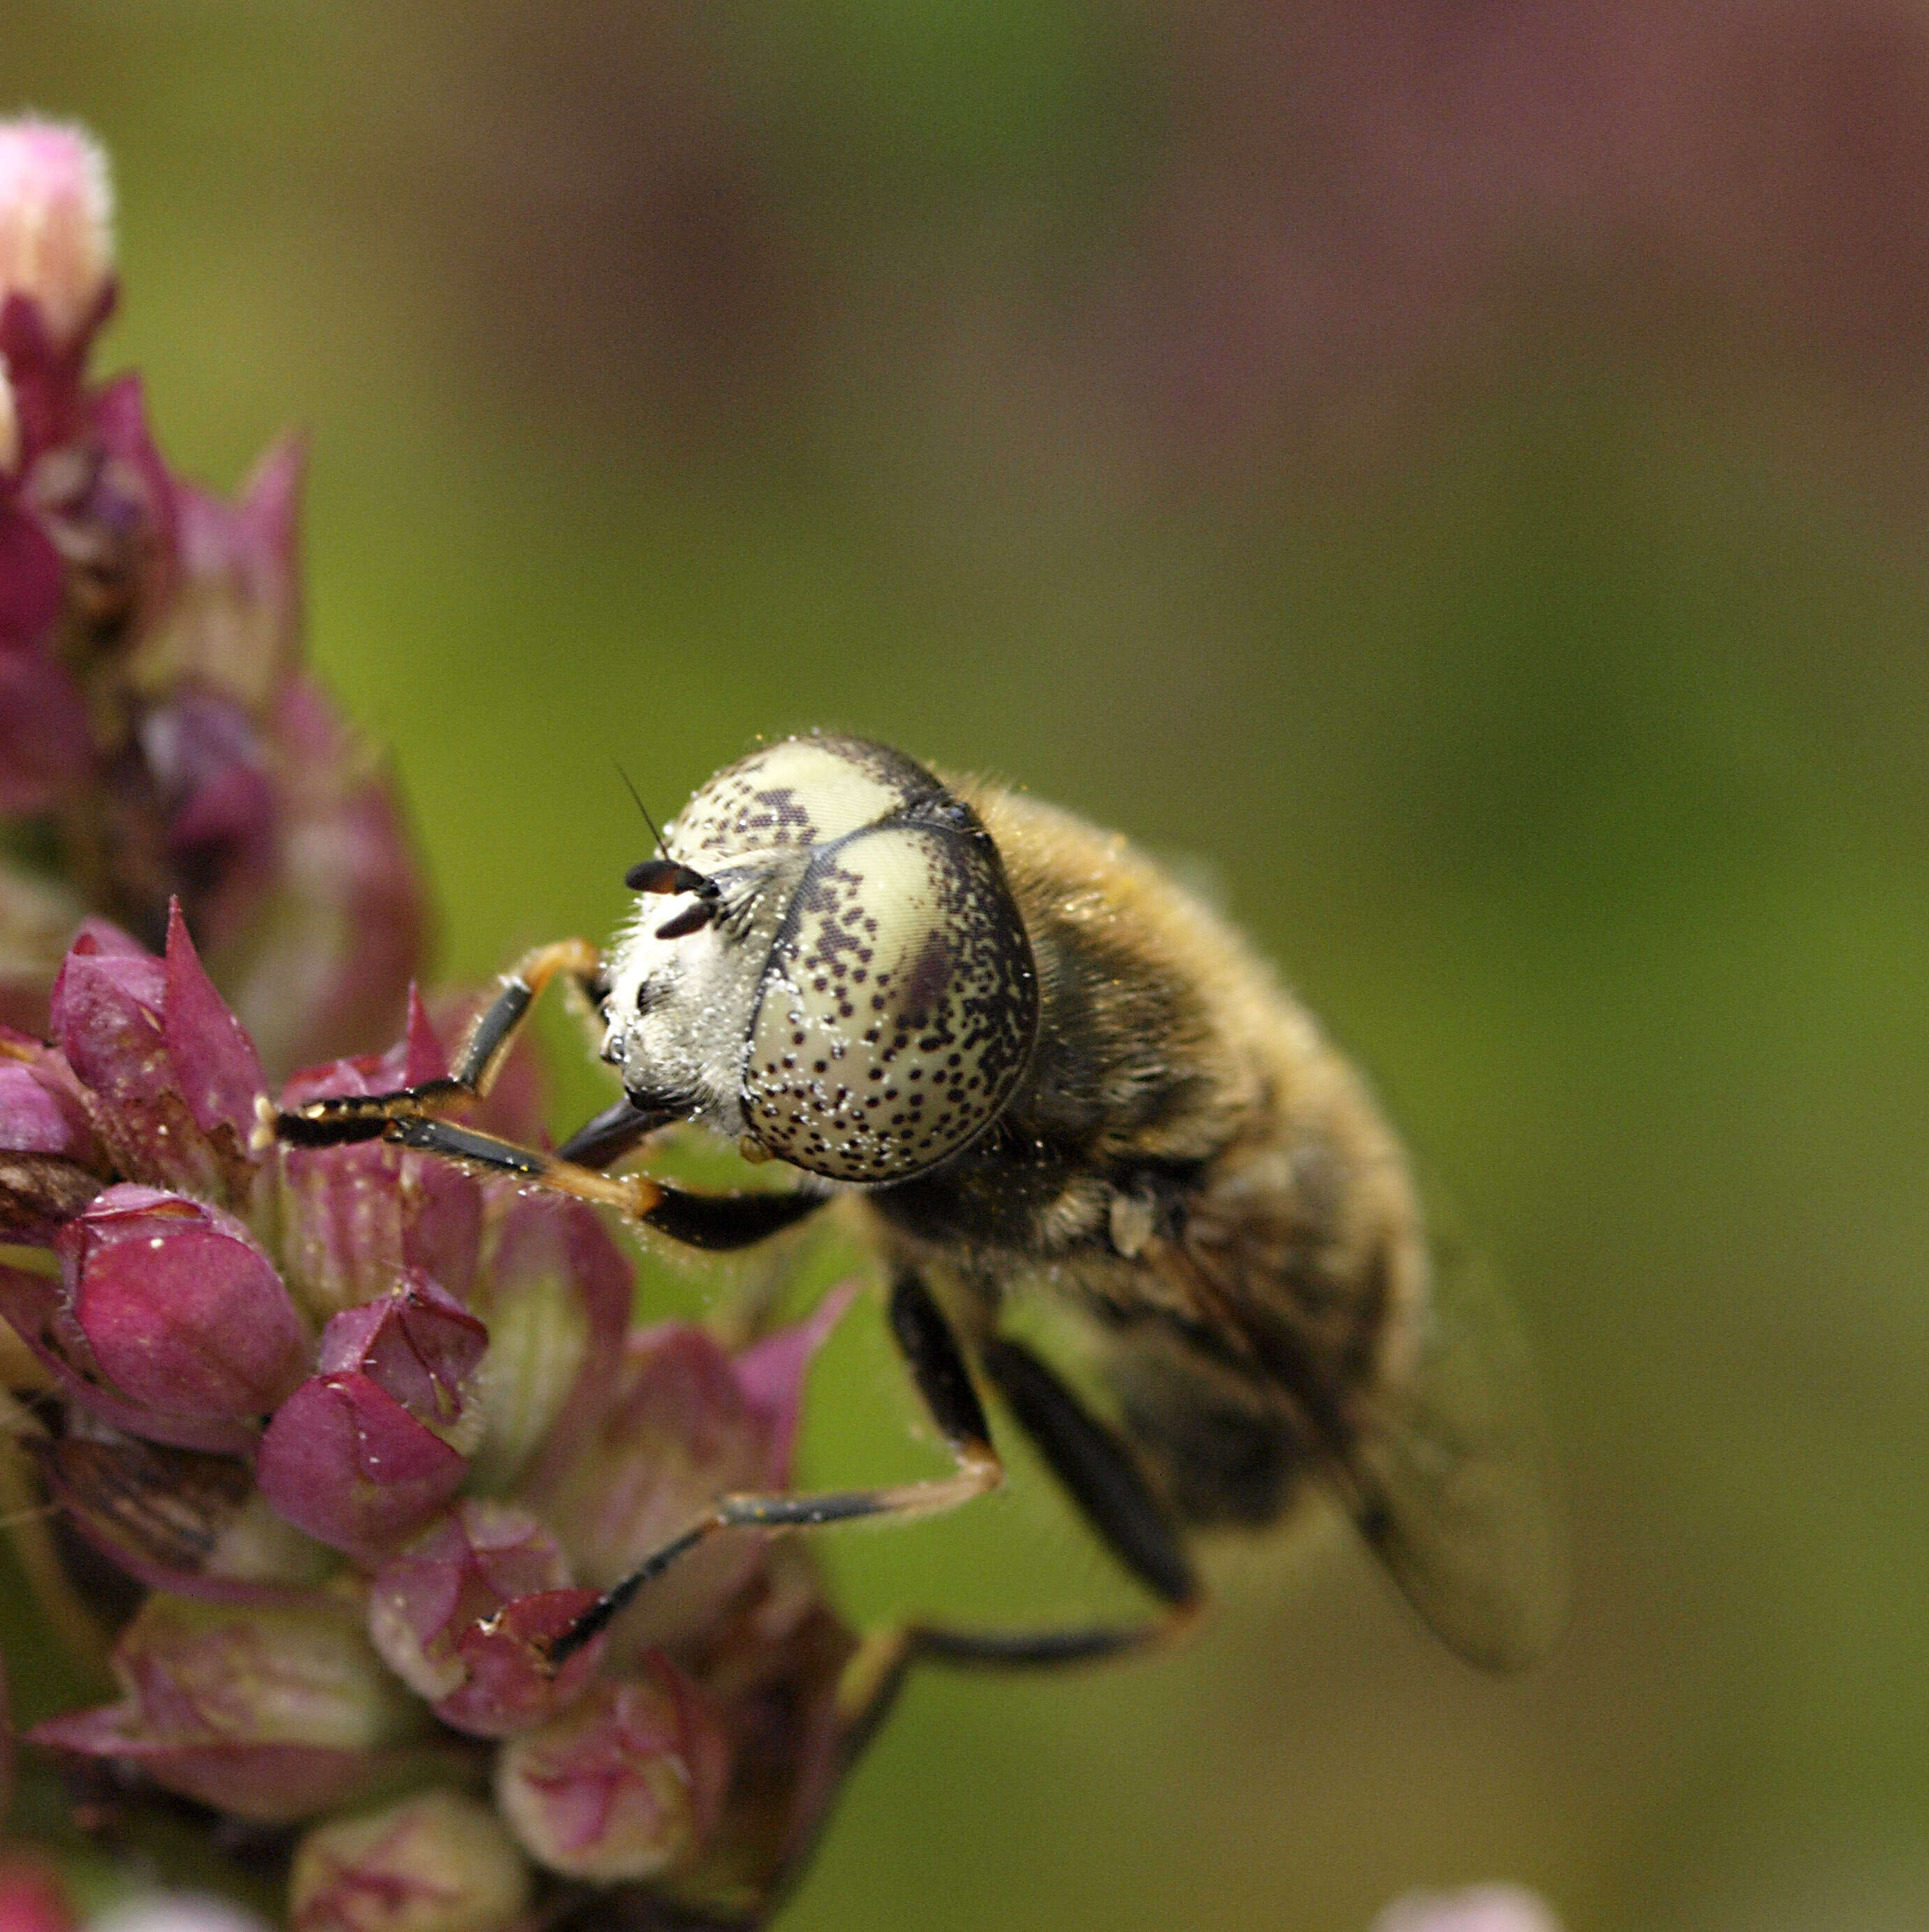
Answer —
(1456, 471)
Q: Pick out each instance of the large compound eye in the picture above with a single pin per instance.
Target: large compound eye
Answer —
(793, 795)
(898, 1008)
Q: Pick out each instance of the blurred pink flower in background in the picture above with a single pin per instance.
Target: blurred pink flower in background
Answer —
(33, 1899)
(1296, 219)
(1353, 195)
(1481, 1908)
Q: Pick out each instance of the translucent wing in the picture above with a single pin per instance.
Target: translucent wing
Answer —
(1449, 1475)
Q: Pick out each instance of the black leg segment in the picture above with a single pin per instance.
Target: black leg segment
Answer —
(343, 1118)
(496, 1026)
(937, 1364)
(718, 1223)
(1051, 1649)
(632, 1194)
(1097, 1470)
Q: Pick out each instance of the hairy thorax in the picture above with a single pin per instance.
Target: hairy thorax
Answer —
(1188, 1161)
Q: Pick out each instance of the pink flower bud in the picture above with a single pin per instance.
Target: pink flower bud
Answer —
(512, 1682)
(557, 1293)
(51, 1163)
(687, 1425)
(461, 1571)
(344, 1462)
(269, 1713)
(354, 1217)
(464, 1617)
(418, 1343)
(440, 1862)
(180, 1307)
(628, 1783)
(106, 1010)
(173, 1074)
(42, 1109)
(38, 1310)
(56, 244)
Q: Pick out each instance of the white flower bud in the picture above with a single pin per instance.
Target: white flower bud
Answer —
(56, 208)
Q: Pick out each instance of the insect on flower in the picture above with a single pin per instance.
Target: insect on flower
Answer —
(1043, 1067)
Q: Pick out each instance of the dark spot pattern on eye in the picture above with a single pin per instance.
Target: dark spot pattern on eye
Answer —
(948, 1028)
(796, 794)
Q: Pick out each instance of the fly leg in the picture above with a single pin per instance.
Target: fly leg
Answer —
(1103, 1479)
(345, 1117)
(411, 1117)
(716, 1222)
(937, 1367)
(1095, 1467)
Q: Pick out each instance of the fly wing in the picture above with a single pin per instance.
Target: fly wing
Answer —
(1448, 1473)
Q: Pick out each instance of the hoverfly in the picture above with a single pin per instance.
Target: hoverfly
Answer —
(1044, 1067)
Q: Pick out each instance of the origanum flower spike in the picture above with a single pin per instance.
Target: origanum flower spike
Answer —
(394, 1563)
(365, 1435)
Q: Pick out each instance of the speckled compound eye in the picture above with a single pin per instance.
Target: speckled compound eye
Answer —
(799, 792)
(898, 1007)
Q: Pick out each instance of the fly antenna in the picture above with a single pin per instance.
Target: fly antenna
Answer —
(629, 787)
(663, 874)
